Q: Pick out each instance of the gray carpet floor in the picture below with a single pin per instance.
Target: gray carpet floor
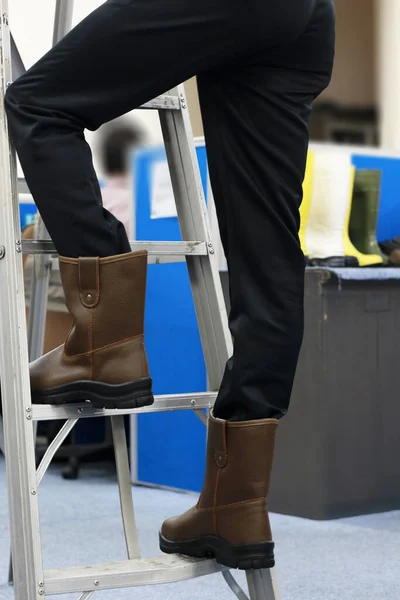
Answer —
(348, 559)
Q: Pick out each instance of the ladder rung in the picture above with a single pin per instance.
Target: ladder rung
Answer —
(164, 102)
(157, 250)
(161, 404)
(158, 570)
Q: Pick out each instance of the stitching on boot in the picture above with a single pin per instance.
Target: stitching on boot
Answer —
(120, 257)
(215, 502)
(221, 463)
(81, 289)
(221, 457)
(242, 503)
(68, 336)
(91, 344)
(130, 339)
(255, 423)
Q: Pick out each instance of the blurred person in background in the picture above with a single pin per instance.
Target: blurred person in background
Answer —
(260, 65)
(117, 142)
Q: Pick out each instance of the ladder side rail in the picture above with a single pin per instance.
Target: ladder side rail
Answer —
(125, 486)
(39, 295)
(263, 584)
(194, 224)
(17, 410)
(63, 19)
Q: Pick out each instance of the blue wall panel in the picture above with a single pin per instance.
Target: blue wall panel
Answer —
(171, 446)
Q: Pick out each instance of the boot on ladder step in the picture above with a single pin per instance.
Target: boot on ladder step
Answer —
(230, 521)
(103, 359)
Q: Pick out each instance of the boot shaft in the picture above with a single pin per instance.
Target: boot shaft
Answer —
(364, 210)
(106, 298)
(239, 461)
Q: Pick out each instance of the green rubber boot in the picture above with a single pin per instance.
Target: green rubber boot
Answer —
(364, 212)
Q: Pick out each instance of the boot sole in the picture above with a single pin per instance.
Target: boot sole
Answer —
(135, 394)
(235, 556)
(334, 262)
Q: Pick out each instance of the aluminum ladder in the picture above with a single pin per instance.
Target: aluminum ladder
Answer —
(17, 438)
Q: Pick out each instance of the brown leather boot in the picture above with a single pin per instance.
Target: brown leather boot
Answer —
(103, 359)
(230, 521)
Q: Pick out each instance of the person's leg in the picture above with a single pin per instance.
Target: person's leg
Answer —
(122, 55)
(256, 127)
(256, 124)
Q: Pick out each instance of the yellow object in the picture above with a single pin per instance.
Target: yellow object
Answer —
(306, 203)
(364, 260)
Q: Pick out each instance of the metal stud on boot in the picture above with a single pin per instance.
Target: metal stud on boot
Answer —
(103, 359)
(230, 521)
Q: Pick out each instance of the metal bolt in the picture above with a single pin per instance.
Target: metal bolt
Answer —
(28, 409)
(80, 410)
(41, 592)
(96, 583)
(193, 402)
(89, 296)
(2, 252)
(8, 83)
(33, 492)
(29, 417)
(41, 584)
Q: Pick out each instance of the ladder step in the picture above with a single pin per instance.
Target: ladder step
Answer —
(164, 102)
(161, 404)
(159, 252)
(130, 573)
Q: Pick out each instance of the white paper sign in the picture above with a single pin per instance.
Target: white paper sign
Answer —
(162, 195)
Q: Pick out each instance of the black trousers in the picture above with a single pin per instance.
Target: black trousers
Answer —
(260, 64)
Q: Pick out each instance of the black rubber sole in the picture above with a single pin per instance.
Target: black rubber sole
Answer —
(334, 262)
(101, 395)
(243, 556)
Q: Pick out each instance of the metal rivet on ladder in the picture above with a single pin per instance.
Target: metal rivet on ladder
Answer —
(96, 583)
(193, 402)
(33, 492)
(41, 584)
(183, 101)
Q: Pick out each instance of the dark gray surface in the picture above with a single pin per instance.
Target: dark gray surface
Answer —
(338, 449)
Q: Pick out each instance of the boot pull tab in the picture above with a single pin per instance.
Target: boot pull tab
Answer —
(89, 281)
(221, 454)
